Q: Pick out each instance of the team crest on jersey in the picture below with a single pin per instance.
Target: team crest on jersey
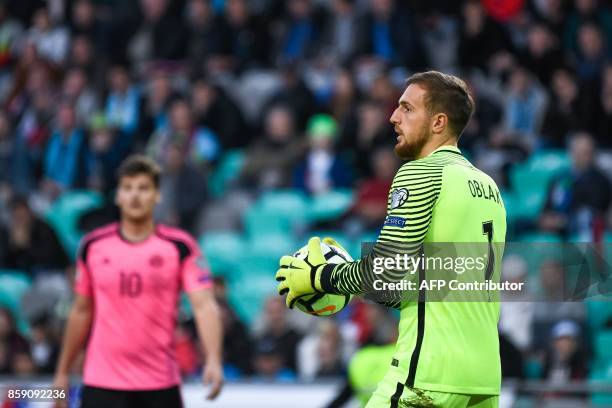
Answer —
(399, 196)
(156, 261)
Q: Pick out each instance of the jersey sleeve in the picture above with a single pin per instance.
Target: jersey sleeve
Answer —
(413, 194)
(82, 280)
(195, 272)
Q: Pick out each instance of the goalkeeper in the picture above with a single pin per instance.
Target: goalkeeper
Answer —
(447, 353)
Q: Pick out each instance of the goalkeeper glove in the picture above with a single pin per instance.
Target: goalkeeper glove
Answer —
(300, 277)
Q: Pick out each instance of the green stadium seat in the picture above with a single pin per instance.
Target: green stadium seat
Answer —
(603, 345)
(13, 285)
(65, 212)
(228, 170)
(222, 250)
(529, 182)
(248, 294)
(280, 212)
(601, 374)
(330, 205)
(598, 313)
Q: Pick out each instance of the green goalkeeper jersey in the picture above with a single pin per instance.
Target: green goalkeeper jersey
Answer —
(445, 346)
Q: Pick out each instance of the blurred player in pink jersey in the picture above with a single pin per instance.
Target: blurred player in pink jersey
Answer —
(129, 278)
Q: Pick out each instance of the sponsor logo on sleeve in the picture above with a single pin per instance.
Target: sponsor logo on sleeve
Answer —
(394, 221)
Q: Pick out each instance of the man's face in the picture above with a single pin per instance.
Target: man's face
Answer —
(412, 122)
(137, 197)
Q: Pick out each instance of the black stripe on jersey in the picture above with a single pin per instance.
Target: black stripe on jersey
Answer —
(414, 359)
(88, 242)
(183, 249)
(448, 151)
(396, 397)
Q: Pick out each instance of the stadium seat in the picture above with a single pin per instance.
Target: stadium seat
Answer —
(247, 294)
(227, 171)
(222, 249)
(330, 205)
(13, 285)
(276, 212)
(65, 212)
(603, 345)
(530, 180)
(598, 313)
(601, 374)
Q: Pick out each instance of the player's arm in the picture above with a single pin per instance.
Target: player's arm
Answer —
(403, 233)
(210, 331)
(75, 335)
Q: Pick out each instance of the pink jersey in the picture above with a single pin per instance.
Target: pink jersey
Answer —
(135, 289)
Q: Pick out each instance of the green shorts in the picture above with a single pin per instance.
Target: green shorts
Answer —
(401, 396)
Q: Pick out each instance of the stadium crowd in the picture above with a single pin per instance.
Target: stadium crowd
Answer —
(301, 91)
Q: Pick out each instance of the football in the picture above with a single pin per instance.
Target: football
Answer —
(324, 304)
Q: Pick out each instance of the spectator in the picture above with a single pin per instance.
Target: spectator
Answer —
(156, 105)
(343, 98)
(370, 204)
(554, 304)
(199, 145)
(386, 33)
(246, 36)
(552, 13)
(341, 28)
(32, 245)
(82, 56)
(481, 38)
(322, 169)
(11, 342)
(205, 34)
(592, 53)
(565, 361)
(75, 90)
(7, 153)
(10, 33)
(107, 149)
(565, 113)
(604, 115)
(214, 109)
(44, 345)
(302, 31)
(269, 161)
(277, 338)
(524, 107)
(237, 344)
(183, 187)
(161, 35)
(123, 102)
(363, 134)
(22, 364)
(543, 54)
(66, 154)
(517, 307)
(294, 93)
(579, 199)
(270, 361)
(586, 11)
(51, 42)
(320, 353)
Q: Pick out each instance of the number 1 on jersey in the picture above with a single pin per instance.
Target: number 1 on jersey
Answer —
(487, 228)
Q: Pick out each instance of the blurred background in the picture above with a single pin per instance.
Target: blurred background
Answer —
(270, 119)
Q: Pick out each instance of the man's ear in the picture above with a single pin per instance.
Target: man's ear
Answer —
(439, 123)
(158, 198)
